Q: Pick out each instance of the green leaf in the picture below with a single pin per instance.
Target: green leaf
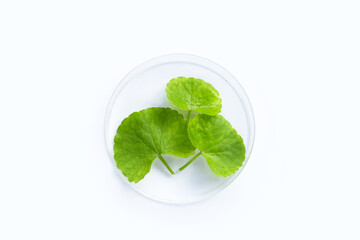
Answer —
(219, 143)
(145, 135)
(193, 94)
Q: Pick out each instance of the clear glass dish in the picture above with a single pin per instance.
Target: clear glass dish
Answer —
(145, 87)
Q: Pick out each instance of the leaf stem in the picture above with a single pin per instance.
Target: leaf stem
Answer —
(189, 162)
(188, 117)
(166, 164)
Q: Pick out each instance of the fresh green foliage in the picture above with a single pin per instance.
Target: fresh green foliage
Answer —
(145, 135)
(193, 94)
(218, 142)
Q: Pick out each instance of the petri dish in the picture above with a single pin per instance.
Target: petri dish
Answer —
(144, 87)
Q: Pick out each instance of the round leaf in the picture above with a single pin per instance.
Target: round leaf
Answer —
(146, 134)
(193, 94)
(219, 143)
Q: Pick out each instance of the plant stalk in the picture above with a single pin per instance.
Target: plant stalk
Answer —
(166, 164)
(188, 117)
(189, 162)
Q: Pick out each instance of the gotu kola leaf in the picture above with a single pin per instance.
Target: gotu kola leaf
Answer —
(218, 142)
(145, 135)
(193, 94)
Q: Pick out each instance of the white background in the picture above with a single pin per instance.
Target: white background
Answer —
(299, 62)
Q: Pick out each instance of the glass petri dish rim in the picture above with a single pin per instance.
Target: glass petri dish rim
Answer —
(203, 62)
